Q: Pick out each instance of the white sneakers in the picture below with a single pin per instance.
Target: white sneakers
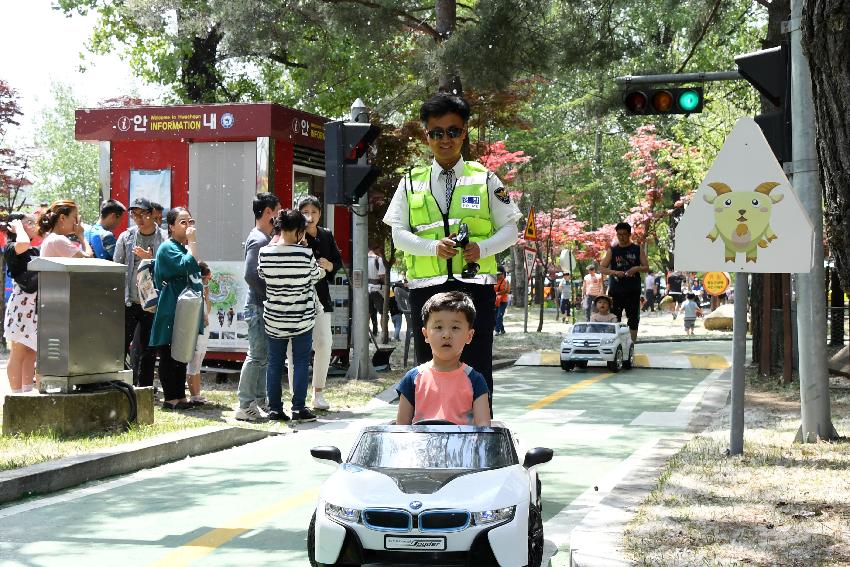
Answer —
(319, 401)
(251, 413)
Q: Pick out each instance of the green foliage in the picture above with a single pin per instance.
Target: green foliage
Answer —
(65, 168)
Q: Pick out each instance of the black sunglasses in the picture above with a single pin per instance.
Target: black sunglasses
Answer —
(452, 131)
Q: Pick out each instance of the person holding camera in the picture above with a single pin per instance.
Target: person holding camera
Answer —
(20, 321)
(450, 217)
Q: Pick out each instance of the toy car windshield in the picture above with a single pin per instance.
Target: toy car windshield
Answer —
(433, 450)
(607, 328)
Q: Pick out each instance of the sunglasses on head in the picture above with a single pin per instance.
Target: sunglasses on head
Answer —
(452, 132)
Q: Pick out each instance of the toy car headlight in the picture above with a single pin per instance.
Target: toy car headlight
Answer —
(608, 341)
(491, 516)
(341, 513)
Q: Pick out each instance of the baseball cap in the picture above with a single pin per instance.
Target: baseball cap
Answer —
(141, 203)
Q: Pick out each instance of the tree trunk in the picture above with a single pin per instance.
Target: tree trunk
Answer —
(836, 319)
(446, 20)
(778, 11)
(519, 288)
(198, 74)
(826, 43)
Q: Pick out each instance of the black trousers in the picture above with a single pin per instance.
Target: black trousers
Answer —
(143, 357)
(479, 353)
(172, 375)
(376, 307)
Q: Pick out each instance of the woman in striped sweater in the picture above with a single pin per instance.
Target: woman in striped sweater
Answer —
(290, 272)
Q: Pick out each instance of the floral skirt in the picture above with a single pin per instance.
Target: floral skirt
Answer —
(20, 322)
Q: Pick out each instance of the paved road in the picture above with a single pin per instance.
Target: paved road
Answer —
(251, 505)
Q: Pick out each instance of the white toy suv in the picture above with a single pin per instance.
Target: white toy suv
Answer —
(430, 494)
(605, 342)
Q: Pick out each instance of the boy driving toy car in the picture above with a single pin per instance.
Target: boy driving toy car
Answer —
(444, 388)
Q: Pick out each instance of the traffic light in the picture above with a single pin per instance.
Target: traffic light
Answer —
(769, 71)
(687, 100)
(347, 174)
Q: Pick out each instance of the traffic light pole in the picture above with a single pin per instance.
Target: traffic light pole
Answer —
(360, 367)
(679, 78)
(816, 420)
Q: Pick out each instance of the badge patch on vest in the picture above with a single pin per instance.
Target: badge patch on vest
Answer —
(502, 194)
(470, 202)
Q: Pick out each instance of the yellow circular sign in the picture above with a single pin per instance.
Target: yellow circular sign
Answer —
(715, 283)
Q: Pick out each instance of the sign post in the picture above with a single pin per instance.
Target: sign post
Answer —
(745, 217)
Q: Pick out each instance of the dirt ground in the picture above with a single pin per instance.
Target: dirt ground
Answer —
(781, 503)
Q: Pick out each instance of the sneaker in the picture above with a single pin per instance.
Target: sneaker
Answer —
(263, 404)
(275, 415)
(251, 413)
(303, 415)
(319, 401)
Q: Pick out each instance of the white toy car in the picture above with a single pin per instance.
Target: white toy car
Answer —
(430, 494)
(606, 342)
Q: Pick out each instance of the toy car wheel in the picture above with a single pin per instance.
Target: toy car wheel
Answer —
(617, 364)
(311, 544)
(582, 364)
(566, 365)
(535, 537)
(627, 363)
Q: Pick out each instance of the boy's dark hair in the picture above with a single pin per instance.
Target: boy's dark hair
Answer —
(691, 296)
(603, 298)
(623, 226)
(205, 269)
(309, 200)
(456, 301)
(112, 206)
(444, 103)
(156, 206)
(289, 219)
(263, 201)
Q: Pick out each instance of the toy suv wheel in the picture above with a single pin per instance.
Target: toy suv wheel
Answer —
(627, 363)
(535, 537)
(617, 364)
(582, 364)
(566, 365)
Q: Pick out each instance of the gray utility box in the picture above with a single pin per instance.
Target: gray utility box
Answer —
(80, 321)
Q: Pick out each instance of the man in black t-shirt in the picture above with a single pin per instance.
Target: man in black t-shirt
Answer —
(674, 289)
(623, 263)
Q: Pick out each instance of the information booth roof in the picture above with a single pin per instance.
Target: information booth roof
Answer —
(195, 122)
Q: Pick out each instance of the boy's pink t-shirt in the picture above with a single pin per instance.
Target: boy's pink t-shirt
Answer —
(56, 245)
(443, 395)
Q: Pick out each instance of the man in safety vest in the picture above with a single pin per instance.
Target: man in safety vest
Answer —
(431, 203)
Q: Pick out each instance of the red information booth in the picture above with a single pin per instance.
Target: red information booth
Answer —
(213, 159)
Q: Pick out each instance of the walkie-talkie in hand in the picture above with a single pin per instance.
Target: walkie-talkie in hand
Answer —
(461, 240)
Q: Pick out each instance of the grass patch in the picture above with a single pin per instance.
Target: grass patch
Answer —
(780, 503)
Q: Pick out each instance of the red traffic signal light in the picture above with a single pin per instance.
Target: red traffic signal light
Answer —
(688, 100)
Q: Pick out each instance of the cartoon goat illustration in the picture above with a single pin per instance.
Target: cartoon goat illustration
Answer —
(742, 219)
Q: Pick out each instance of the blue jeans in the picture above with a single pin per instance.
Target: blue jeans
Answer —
(302, 345)
(500, 317)
(252, 379)
(397, 325)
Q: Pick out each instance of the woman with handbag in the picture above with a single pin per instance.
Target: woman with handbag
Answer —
(176, 269)
(20, 320)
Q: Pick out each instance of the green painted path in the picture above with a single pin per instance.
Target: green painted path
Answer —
(251, 505)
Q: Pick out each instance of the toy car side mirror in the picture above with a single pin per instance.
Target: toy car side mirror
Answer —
(327, 453)
(537, 456)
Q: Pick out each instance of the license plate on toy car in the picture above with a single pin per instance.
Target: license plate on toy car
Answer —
(415, 543)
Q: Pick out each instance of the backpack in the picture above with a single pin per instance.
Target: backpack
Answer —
(148, 294)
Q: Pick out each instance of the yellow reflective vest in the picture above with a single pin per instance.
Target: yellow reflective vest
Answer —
(470, 204)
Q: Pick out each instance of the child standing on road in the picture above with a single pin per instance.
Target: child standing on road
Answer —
(603, 310)
(691, 310)
(444, 387)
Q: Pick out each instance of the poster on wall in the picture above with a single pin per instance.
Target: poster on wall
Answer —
(228, 294)
(152, 184)
(339, 317)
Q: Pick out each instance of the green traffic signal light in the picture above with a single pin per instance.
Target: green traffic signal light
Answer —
(689, 100)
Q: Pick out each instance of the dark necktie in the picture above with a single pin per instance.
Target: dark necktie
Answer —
(449, 173)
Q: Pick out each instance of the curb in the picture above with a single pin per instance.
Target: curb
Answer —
(597, 541)
(64, 473)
